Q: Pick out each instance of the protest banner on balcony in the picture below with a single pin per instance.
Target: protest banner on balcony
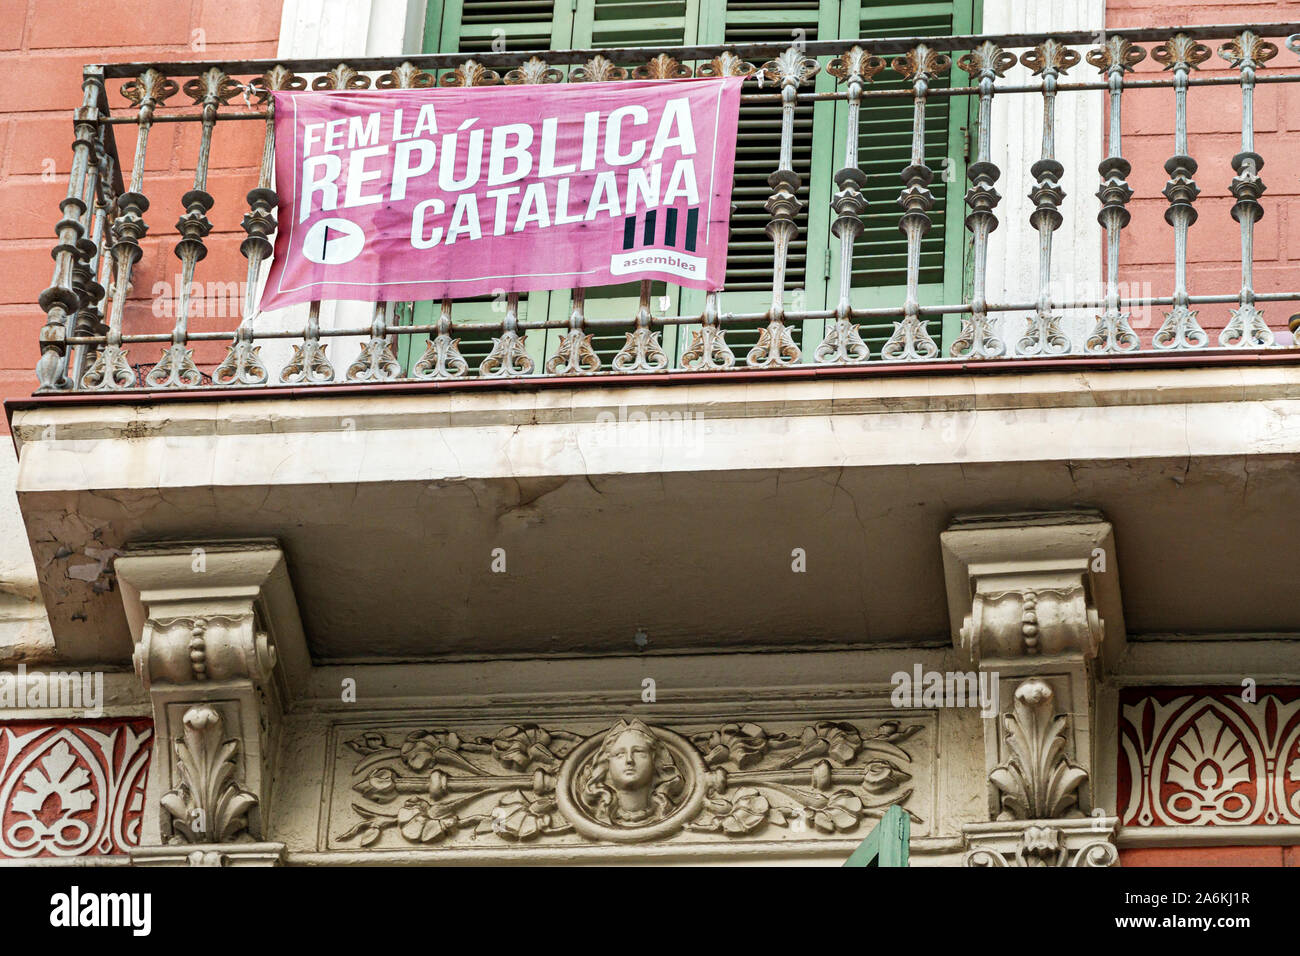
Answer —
(428, 194)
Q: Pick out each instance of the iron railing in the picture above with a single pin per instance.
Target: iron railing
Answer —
(84, 344)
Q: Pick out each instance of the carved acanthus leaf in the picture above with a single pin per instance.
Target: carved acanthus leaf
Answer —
(1036, 781)
(208, 805)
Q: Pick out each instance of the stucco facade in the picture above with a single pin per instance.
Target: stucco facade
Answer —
(1040, 602)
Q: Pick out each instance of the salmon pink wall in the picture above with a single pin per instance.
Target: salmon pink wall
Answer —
(43, 46)
(1214, 122)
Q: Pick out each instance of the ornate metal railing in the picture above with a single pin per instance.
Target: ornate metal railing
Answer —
(84, 344)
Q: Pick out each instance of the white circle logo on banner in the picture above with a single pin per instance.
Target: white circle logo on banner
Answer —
(332, 242)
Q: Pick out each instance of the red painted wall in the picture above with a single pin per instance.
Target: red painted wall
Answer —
(43, 46)
(1212, 856)
(1214, 122)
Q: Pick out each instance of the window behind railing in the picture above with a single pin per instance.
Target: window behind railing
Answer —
(879, 274)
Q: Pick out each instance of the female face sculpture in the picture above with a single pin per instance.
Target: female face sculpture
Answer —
(631, 782)
(632, 779)
(631, 768)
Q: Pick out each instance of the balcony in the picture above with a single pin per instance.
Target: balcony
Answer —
(392, 461)
(99, 338)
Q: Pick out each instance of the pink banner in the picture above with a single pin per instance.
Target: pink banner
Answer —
(428, 194)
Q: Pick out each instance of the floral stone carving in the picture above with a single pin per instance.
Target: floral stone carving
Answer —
(627, 782)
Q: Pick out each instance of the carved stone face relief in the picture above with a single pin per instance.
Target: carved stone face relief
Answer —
(633, 782)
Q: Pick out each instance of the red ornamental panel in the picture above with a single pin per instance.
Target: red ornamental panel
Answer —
(72, 789)
(1209, 756)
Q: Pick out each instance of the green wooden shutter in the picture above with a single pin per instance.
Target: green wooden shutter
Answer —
(605, 24)
(748, 285)
(470, 26)
(879, 274)
(622, 23)
(887, 844)
(884, 148)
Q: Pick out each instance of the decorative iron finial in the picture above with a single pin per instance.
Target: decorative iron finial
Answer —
(856, 63)
(1248, 49)
(407, 76)
(1050, 58)
(987, 61)
(661, 67)
(1181, 51)
(597, 70)
(791, 68)
(342, 77)
(921, 63)
(212, 87)
(534, 71)
(1116, 54)
(726, 64)
(149, 89)
(471, 73)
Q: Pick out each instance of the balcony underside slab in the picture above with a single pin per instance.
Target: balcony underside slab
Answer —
(669, 518)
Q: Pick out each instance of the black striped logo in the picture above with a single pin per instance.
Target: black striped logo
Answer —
(646, 226)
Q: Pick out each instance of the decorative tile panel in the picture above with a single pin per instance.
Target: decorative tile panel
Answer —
(74, 788)
(1209, 756)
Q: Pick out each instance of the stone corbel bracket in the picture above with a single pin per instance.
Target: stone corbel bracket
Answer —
(1034, 599)
(1036, 585)
(219, 645)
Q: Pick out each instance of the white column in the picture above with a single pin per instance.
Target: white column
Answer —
(326, 28)
(1017, 140)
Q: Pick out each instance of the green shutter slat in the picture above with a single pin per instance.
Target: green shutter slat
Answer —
(884, 149)
(749, 252)
(626, 23)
